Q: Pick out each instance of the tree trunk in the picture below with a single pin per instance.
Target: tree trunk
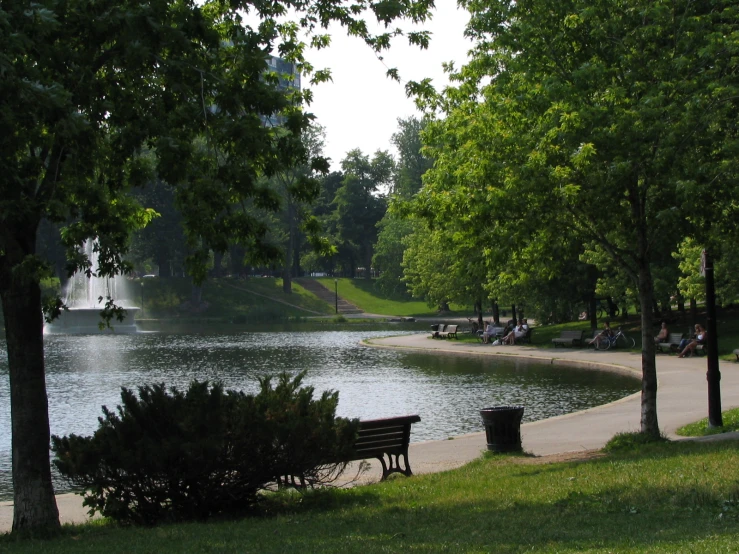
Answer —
(513, 314)
(297, 272)
(592, 312)
(237, 261)
(611, 308)
(649, 422)
(496, 313)
(287, 284)
(196, 295)
(368, 261)
(34, 505)
(217, 270)
(163, 262)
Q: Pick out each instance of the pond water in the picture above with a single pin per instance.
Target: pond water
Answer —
(86, 372)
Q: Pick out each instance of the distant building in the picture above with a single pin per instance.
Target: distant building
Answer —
(289, 78)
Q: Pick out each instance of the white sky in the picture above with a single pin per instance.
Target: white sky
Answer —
(360, 107)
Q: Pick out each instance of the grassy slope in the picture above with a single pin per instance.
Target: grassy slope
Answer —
(660, 499)
(165, 297)
(362, 293)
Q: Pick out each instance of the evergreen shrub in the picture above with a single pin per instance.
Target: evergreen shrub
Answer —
(168, 455)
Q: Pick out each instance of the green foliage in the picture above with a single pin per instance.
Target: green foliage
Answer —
(171, 455)
(606, 124)
(631, 442)
(726, 272)
(360, 204)
(389, 251)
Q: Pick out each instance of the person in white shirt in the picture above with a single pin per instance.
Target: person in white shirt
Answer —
(517, 333)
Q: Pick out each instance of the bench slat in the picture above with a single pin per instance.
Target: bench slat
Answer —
(388, 422)
(381, 434)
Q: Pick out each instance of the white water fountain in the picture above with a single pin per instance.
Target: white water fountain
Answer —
(82, 296)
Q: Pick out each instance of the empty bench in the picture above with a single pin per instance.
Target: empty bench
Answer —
(569, 338)
(450, 332)
(387, 440)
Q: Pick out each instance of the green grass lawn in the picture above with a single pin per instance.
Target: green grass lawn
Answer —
(659, 498)
(362, 293)
(700, 428)
(256, 299)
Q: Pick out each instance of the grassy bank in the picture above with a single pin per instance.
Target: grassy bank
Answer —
(227, 299)
(363, 294)
(673, 497)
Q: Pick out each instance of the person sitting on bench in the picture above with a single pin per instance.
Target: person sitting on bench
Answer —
(517, 333)
(605, 334)
(689, 348)
(487, 333)
(663, 334)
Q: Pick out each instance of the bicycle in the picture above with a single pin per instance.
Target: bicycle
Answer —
(619, 340)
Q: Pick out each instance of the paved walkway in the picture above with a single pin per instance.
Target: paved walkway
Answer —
(681, 399)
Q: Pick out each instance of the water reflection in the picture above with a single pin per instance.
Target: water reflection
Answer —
(86, 372)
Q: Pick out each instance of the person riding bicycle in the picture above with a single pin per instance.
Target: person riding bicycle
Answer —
(606, 334)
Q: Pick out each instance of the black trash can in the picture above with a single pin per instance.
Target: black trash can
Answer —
(503, 428)
(435, 327)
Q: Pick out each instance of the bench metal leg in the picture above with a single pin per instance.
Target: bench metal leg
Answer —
(393, 465)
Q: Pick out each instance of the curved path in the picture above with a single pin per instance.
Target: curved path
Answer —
(681, 399)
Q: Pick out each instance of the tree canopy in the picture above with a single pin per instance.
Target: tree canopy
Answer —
(604, 123)
(99, 97)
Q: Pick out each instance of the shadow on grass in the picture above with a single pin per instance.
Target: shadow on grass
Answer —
(678, 497)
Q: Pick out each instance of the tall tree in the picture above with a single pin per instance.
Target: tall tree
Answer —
(359, 205)
(580, 116)
(85, 87)
(393, 228)
(298, 186)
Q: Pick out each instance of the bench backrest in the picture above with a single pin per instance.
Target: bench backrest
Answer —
(389, 435)
(441, 327)
(675, 338)
(451, 329)
(572, 334)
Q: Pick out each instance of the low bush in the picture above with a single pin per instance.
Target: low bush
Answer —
(168, 455)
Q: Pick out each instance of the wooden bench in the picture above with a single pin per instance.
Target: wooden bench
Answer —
(449, 333)
(671, 344)
(387, 440)
(569, 338)
(439, 329)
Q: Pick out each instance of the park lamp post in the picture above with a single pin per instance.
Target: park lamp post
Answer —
(142, 298)
(713, 375)
(336, 295)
